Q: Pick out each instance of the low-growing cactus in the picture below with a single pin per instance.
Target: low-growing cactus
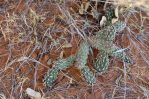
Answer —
(103, 41)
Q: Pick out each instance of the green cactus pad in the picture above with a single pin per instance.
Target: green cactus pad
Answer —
(88, 75)
(61, 64)
(102, 62)
(109, 14)
(51, 76)
(82, 55)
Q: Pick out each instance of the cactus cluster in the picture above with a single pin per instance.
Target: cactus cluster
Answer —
(103, 41)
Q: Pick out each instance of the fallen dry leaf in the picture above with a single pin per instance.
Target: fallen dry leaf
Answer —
(84, 7)
(116, 12)
(103, 21)
(67, 45)
(114, 20)
(33, 94)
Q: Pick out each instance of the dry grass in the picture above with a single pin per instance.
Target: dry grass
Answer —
(32, 32)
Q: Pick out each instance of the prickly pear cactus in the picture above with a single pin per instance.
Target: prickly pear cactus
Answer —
(102, 62)
(61, 64)
(81, 61)
(103, 41)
